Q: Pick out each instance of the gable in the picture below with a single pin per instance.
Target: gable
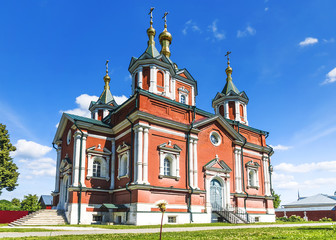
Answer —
(227, 127)
(217, 165)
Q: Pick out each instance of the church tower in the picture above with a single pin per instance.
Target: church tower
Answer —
(231, 103)
(156, 73)
(105, 102)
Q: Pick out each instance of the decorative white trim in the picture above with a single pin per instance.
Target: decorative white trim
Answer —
(172, 153)
(216, 135)
(99, 137)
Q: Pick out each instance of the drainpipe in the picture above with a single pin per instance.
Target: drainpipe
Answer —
(80, 174)
(243, 170)
(188, 161)
(131, 155)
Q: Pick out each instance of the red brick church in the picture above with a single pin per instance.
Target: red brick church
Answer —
(116, 165)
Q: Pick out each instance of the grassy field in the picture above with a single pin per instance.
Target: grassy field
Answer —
(325, 232)
(181, 225)
(26, 230)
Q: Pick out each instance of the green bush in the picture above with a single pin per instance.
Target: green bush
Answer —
(292, 218)
(325, 219)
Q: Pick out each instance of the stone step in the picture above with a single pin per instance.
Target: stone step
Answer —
(42, 217)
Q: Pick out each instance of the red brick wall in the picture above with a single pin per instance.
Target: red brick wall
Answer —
(312, 215)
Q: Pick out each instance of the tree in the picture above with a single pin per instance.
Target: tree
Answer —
(8, 169)
(30, 203)
(277, 200)
(16, 202)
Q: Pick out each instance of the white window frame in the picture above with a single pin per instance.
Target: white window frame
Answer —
(252, 167)
(123, 151)
(183, 92)
(216, 135)
(104, 167)
(172, 153)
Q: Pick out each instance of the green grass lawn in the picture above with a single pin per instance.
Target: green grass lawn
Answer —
(325, 232)
(182, 225)
(26, 230)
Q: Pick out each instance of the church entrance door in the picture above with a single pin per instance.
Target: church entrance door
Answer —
(216, 194)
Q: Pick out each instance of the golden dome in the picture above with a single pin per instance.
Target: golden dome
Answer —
(165, 35)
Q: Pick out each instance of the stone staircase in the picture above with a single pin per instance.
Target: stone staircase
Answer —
(41, 217)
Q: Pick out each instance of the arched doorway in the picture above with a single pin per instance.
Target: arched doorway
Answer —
(216, 194)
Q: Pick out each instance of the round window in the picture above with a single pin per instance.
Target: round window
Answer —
(69, 137)
(215, 138)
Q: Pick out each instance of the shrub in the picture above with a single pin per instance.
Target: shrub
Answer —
(292, 218)
(325, 219)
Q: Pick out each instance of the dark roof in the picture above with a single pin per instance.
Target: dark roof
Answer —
(88, 120)
(46, 199)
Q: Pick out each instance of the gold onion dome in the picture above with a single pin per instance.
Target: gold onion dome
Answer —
(165, 39)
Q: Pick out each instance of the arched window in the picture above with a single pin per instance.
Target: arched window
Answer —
(96, 169)
(252, 176)
(123, 165)
(160, 81)
(241, 110)
(183, 99)
(167, 167)
(145, 78)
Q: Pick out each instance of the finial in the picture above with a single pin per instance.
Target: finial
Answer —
(165, 19)
(228, 70)
(107, 78)
(228, 57)
(106, 64)
(151, 16)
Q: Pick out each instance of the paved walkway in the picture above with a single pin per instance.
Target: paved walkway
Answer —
(92, 230)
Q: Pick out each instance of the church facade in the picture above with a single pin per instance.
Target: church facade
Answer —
(158, 146)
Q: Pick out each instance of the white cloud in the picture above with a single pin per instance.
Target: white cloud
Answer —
(190, 25)
(128, 78)
(266, 9)
(281, 147)
(331, 77)
(30, 149)
(38, 167)
(83, 101)
(120, 99)
(249, 31)
(214, 29)
(331, 40)
(308, 41)
(329, 166)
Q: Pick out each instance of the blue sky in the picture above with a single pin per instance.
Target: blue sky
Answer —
(52, 56)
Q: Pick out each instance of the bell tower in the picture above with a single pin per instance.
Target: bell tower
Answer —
(231, 103)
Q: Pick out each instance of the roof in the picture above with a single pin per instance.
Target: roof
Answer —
(85, 119)
(229, 86)
(151, 50)
(313, 201)
(113, 206)
(46, 199)
(106, 97)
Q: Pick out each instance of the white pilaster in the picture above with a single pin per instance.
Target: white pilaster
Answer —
(173, 90)
(166, 83)
(140, 77)
(192, 96)
(113, 163)
(191, 169)
(226, 110)
(76, 153)
(237, 118)
(195, 165)
(135, 155)
(145, 157)
(57, 181)
(153, 79)
(178, 166)
(238, 176)
(227, 193)
(139, 158)
(82, 168)
(266, 176)
(161, 164)
(245, 114)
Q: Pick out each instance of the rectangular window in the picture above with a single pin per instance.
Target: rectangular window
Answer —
(256, 219)
(171, 219)
(97, 218)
